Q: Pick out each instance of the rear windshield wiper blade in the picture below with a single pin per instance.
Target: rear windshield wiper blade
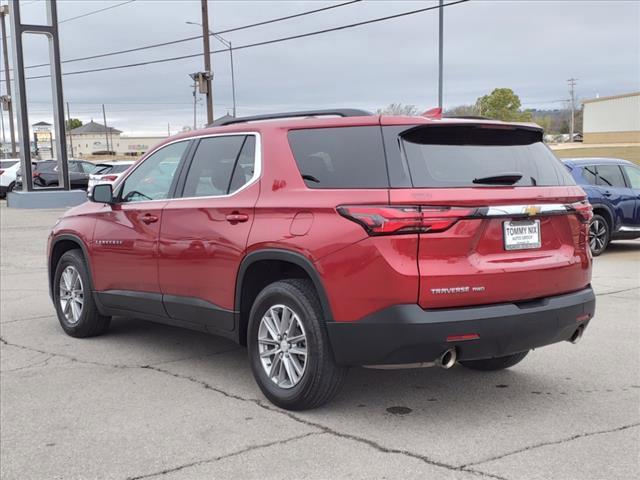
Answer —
(507, 178)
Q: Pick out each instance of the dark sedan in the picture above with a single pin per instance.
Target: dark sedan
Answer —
(45, 174)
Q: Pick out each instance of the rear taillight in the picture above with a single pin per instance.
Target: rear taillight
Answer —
(388, 220)
(583, 209)
(110, 178)
(35, 174)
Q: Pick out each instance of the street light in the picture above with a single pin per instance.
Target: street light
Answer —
(229, 45)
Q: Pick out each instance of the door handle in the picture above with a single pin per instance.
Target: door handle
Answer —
(236, 217)
(607, 193)
(148, 218)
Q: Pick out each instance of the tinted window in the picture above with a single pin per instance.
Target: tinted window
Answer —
(212, 166)
(245, 167)
(7, 163)
(119, 168)
(102, 169)
(152, 179)
(610, 176)
(633, 174)
(46, 166)
(590, 175)
(348, 157)
(456, 156)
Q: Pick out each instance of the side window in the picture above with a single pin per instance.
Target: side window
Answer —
(347, 157)
(245, 166)
(633, 174)
(589, 174)
(74, 167)
(214, 164)
(152, 179)
(610, 176)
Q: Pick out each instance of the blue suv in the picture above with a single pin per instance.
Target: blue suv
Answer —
(613, 188)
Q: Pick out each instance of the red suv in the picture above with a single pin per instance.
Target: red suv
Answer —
(326, 239)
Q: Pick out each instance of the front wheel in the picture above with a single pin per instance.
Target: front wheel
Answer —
(491, 364)
(289, 349)
(77, 312)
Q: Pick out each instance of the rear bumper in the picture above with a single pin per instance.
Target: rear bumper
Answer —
(410, 334)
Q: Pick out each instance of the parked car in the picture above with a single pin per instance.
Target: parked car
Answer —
(45, 174)
(108, 172)
(321, 243)
(8, 169)
(613, 188)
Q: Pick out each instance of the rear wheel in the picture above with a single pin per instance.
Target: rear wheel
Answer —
(289, 348)
(498, 363)
(599, 235)
(77, 312)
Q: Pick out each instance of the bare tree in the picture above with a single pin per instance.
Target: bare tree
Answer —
(398, 109)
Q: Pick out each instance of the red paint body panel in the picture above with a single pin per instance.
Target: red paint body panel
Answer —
(200, 250)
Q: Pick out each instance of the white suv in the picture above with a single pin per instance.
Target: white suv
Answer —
(108, 172)
(8, 169)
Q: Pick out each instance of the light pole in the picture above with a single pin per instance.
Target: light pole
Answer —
(229, 45)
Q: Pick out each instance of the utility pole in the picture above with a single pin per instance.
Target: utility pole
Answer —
(69, 129)
(106, 130)
(572, 84)
(4, 9)
(440, 52)
(195, 84)
(207, 60)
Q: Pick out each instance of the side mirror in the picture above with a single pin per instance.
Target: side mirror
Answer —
(102, 193)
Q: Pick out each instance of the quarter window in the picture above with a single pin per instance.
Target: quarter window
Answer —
(153, 178)
(610, 176)
(221, 165)
(633, 174)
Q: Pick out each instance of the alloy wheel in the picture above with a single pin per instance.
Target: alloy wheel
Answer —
(71, 294)
(597, 235)
(282, 346)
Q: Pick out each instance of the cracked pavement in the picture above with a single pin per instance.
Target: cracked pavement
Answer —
(152, 401)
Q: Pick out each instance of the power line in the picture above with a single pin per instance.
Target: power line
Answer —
(95, 11)
(257, 44)
(197, 37)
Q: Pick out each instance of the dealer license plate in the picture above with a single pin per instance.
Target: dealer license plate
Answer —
(521, 234)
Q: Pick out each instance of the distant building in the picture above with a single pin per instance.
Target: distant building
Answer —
(614, 119)
(91, 139)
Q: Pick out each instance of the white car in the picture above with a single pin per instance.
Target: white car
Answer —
(108, 172)
(8, 169)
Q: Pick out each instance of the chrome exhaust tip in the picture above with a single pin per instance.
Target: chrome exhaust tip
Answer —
(577, 335)
(447, 359)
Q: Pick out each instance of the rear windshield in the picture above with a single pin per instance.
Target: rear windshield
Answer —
(48, 166)
(456, 156)
(346, 157)
(7, 163)
(119, 168)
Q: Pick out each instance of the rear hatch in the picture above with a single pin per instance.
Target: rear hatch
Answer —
(500, 218)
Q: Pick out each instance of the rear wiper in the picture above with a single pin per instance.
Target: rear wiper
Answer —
(507, 178)
(310, 178)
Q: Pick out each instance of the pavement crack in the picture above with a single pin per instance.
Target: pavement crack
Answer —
(222, 457)
(617, 291)
(322, 428)
(552, 442)
(205, 355)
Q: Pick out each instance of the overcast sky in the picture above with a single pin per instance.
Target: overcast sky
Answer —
(532, 47)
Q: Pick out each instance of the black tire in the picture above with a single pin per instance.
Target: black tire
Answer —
(599, 235)
(11, 187)
(90, 323)
(321, 378)
(491, 364)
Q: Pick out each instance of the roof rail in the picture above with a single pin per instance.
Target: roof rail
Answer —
(469, 117)
(340, 112)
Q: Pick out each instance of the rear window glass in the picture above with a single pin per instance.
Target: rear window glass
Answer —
(46, 166)
(346, 157)
(7, 163)
(119, 168)
(456, 156)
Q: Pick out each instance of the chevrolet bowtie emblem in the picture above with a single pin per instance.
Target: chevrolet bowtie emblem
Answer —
(532, 210)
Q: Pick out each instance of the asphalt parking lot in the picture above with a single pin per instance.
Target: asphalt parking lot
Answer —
(152, 401)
